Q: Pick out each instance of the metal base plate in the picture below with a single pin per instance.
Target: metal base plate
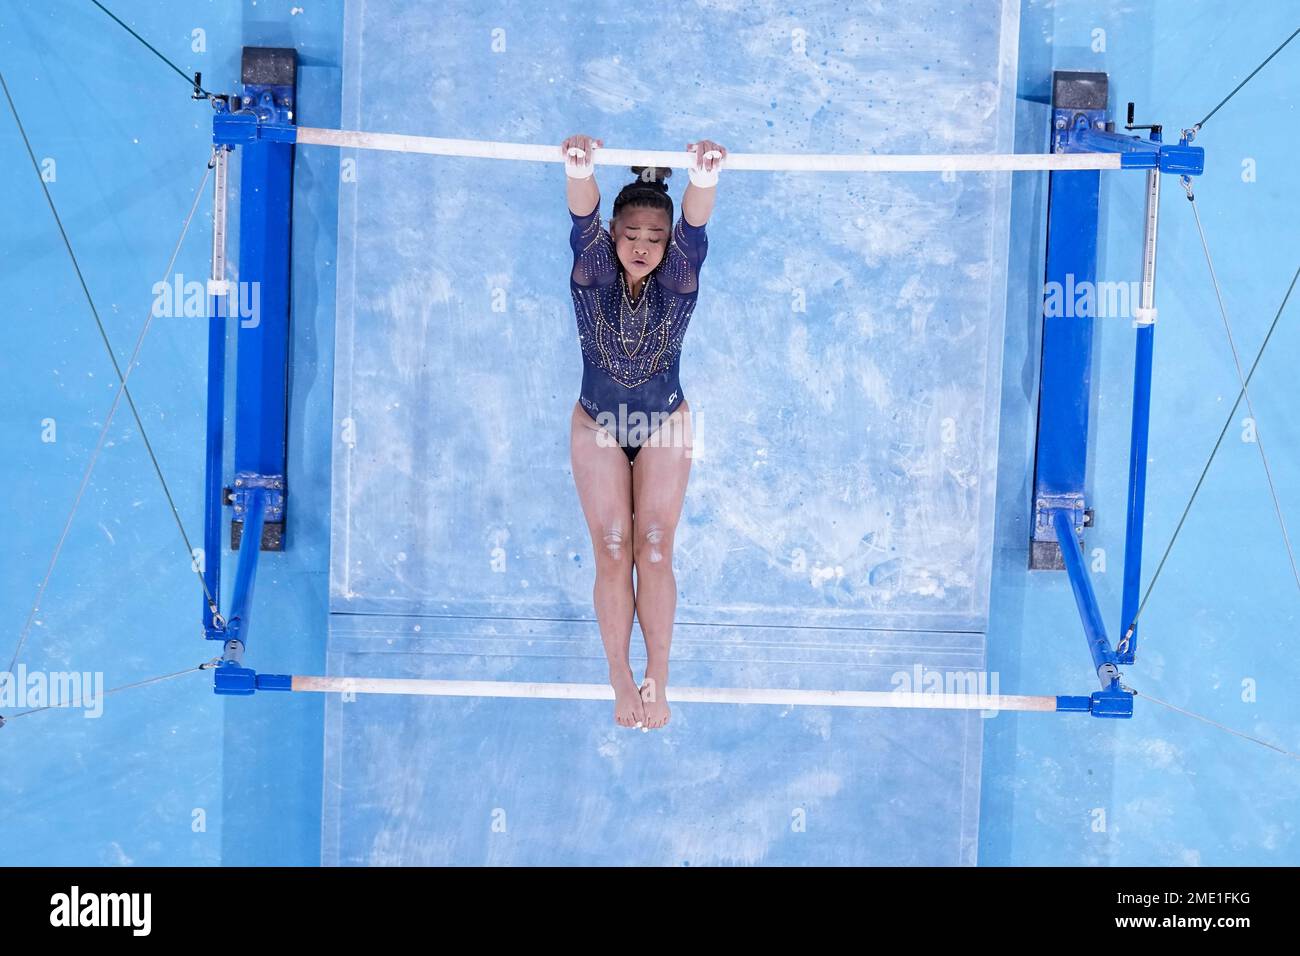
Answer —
(1045, 556)
(272, 535)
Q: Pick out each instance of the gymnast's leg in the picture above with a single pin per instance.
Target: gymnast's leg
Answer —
(659, 478)
(603, 476)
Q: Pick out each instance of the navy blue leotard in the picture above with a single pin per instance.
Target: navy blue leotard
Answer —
(631, 351)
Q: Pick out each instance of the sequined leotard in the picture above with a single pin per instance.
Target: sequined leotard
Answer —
(631, 351)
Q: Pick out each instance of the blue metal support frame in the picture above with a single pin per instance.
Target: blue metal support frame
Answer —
(1103, 657)
(263, 337)
(1112, 700)
(241, 607)
(260, 123)
(1180, 159)
(1137, 491)
(1137, 478)
(213, 496)
(1079, 105)
(1080, 124)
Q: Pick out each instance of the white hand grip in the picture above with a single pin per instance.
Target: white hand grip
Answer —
(574, 167)
(704, 178)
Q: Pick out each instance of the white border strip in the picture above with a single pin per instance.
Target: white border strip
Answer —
(849, 163)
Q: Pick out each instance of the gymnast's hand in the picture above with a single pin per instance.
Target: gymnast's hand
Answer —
(709, 157)
(579, 151)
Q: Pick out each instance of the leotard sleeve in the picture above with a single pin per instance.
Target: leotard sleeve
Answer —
(686, 252)
(593, 250)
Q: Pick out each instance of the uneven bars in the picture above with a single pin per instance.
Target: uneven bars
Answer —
(825, 163)
(697, 695)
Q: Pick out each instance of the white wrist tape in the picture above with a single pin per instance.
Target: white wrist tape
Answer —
(574, 167)
(702, 177)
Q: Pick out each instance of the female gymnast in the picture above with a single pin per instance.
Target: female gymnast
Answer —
(634, 289)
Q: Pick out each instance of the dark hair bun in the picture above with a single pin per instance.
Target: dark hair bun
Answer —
(653, 176)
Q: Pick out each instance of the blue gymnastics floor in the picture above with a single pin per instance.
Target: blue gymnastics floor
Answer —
(837, 530)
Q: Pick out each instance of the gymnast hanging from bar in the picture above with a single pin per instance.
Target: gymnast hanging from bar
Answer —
(634, 288)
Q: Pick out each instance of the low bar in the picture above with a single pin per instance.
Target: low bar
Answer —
(697, 695)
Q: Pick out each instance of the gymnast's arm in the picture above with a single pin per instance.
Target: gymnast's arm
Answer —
(697, 203)
(584, 195)
(594, 262)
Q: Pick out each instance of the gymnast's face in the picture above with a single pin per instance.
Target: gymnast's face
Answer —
(641, 238)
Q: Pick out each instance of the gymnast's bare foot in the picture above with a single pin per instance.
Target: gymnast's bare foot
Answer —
(628, 709)
(657, 711)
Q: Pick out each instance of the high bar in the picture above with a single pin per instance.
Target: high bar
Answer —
(772, 162)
